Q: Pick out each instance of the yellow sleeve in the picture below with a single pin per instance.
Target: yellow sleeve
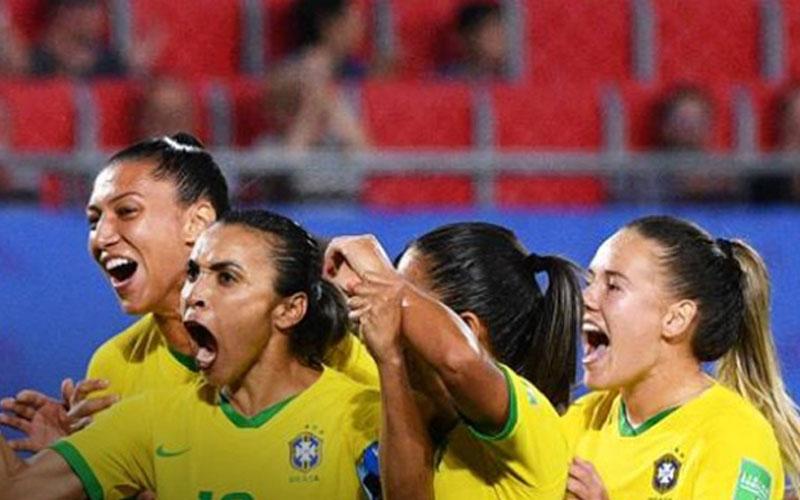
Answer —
(741, 465)
(531, 443)
(351, 358)
(113, 456)
(108, 363)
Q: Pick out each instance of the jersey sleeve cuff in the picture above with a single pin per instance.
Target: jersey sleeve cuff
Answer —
(81, 469)
(511, 421)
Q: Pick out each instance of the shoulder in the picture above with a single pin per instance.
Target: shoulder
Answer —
(590, 411)
(121, 346)
(730, 421)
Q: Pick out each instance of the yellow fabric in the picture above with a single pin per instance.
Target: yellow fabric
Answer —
(716, 446)
(137, 360)
(181, 444)
(350, 357)
(530, 461)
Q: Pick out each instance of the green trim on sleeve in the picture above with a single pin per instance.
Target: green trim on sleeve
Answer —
(511, 422)
(81, 469)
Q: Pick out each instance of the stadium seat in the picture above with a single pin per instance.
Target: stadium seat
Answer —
(42, 114)
(117, 103)
(529, 190)
(791, 19)
(586, 41)
(399, 191)
(422, 115)
(421, 29)
(27, 16)
(247, 105)
(641, 103)
(203, 38)
(707, 41)
(547, 117)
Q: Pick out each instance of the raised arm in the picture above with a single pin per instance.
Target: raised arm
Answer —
(45, 476)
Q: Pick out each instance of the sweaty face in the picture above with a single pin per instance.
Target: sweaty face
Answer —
(228, 300)
(624, 305)
(135, 228)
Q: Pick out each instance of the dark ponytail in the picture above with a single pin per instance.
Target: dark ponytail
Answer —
(298, 261)
(484, 269)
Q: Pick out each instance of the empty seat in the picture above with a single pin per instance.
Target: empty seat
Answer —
(421, 115)
(247, 105)
(547, 117)
(708, 41)
(528, 190)
(202, 38)
(27, 17)
(791, 46)
(418, 190)
(41, 113)
(584, 41)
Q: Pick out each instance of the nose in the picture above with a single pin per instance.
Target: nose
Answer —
(195, 293)
(590, 297)
(105, 233)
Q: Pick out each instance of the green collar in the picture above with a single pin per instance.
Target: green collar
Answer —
(257, 420)
(184, 359)
(626, 429)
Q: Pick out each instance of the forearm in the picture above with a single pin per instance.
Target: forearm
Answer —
(47, 476)
(406, 450)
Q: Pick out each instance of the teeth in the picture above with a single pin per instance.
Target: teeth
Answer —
(591, 327)
(116, 262)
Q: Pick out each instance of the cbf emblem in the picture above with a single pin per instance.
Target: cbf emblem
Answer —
(305, 451)
(665, 473)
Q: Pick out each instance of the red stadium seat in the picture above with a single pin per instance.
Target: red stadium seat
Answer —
(42, 114)
(641, 104)
(791, 17)
(579, 42)
(547, 117)
(118, 103)
(526, 190)
(203, 37)
(27, 16)
(418, 190)
(707, 41)
(247, 105)
(421, 28)
(407, 114)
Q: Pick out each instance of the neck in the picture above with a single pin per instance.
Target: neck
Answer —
(275, 376)
(169, 321)
(671, 385)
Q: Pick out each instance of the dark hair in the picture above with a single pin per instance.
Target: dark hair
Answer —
(182, 159)
(472, 15)
(298, 260)
(311, 17)
(729, 282)
(483, 268)
(666, 105)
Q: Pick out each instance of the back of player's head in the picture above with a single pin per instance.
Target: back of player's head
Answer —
(312, 16)
(471, 16)
(298, 262)
(728, 281)
(484, 269)
(182, 159)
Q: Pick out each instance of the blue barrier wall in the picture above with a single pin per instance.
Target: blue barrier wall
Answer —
(55, 307)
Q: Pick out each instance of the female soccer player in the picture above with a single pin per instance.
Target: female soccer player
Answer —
(147, 208)
(498, 433)
(663, 298)
(270, 422)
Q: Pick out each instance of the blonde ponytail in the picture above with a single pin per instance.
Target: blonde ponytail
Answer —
(751, 367)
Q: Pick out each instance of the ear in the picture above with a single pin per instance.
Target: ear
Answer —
(199, 216)
(678, 320)
(290, 311)
(479, 328)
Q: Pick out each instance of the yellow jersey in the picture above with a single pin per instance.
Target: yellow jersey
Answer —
(716, 446)
(528, 458)
(350, 356)
(190, 442)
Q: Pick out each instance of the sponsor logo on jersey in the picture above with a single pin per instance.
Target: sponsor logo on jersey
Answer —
(165, 453)
(754, 482)
(665, 473)
(305, 451)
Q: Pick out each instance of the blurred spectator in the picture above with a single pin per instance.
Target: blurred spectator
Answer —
(73, 42)
(684, 120)
(775, 187)
(166, 108)
(303, 105)
(13, 55)
(481, 43)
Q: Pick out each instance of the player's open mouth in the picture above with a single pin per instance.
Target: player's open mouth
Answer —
(120, 270)
(206, 344)
(595, 343)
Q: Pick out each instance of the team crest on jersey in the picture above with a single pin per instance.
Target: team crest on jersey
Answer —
(665, 473)
(305, 451)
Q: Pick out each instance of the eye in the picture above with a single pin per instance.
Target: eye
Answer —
(192, 272)
(92, 221)
(612, 285)
(126, 212)
(226, 278)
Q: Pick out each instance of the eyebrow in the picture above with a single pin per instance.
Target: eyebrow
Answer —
(116, 198)
(617, 274)
(225, 265)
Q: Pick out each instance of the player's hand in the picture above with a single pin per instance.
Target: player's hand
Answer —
(42, 419)
(376, 305)
(80, 409)
(584, 483)
(354, 255)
